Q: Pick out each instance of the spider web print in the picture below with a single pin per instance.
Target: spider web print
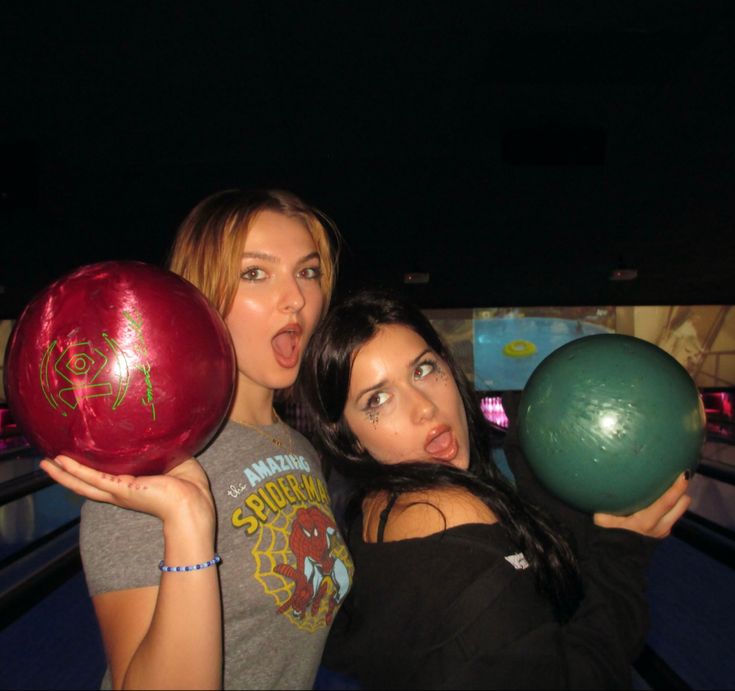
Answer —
(272, 548)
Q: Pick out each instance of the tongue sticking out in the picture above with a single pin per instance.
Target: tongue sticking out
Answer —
(440, 444)
(285, 348)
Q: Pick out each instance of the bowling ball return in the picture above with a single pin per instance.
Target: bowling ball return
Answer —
(608, 422)
(123, 366)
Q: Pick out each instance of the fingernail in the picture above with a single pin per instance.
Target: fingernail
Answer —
(687, 474)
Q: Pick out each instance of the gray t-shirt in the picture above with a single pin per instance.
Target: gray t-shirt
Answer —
(285, 568)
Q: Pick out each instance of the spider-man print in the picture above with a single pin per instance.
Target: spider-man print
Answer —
(311, 543)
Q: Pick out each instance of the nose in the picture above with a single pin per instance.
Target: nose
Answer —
(291, 298)
(423, 406)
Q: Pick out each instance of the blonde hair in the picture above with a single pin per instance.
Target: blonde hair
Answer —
(210, 240)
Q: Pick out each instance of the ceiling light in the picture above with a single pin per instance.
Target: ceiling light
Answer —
(624, 274)
(416, 277)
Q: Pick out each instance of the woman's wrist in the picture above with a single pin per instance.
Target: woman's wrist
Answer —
(189, 535)
(190, 526)
(193, 509)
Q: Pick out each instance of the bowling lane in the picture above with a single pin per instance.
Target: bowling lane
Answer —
(35, 516)
(713, 498)
(49, 638)
(32, 508)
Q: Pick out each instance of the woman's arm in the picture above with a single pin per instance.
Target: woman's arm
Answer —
(167, 636)
(507, 638)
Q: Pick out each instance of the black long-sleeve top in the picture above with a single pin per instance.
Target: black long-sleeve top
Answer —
(452, 611)
(457, 610)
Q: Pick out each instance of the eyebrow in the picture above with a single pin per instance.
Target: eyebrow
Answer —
(265, 256)
(379, 385)
(415, 361)
(383, 382)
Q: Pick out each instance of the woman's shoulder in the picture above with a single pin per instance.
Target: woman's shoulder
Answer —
(301, 442)
(422, 513)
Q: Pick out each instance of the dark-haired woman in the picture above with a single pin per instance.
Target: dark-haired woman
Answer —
(459, 582)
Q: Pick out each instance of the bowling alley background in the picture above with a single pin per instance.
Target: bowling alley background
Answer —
(499, 347)
(527, 173)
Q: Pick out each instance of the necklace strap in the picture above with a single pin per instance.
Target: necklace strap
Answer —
(275, 419)
(280, 443)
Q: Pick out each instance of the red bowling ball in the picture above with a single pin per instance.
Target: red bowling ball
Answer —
(123, 366)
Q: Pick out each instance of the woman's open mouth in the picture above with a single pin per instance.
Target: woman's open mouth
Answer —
(286, 346)
(441, 443)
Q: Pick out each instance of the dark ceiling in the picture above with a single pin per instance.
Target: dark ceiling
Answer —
(517, 152)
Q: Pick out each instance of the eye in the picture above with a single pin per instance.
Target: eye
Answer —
(253, 273)
(425, 369)
(311, 272)
(376, 400)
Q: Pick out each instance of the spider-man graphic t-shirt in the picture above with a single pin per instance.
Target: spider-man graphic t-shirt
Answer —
(285, 569)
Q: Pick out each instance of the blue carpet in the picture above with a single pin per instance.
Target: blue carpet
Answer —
(692, 598)
(55, 645)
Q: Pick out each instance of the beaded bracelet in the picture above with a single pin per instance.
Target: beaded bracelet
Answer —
(194, 567)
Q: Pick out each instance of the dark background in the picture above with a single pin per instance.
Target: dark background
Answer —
(516, 151)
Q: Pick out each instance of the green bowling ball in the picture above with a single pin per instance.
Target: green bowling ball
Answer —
(608, 422)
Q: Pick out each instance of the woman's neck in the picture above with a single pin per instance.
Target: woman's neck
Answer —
(253, 405)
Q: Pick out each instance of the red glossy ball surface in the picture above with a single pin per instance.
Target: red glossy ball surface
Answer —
(123, 366)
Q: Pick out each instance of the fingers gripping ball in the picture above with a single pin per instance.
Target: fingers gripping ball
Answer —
(608, 422)
(123, 366)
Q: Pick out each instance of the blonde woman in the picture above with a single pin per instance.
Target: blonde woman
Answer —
(228, 570)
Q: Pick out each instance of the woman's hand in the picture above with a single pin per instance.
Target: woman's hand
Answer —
(185, 487)
(657, 519)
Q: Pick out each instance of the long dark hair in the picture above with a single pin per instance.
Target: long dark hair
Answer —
(324, 384)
